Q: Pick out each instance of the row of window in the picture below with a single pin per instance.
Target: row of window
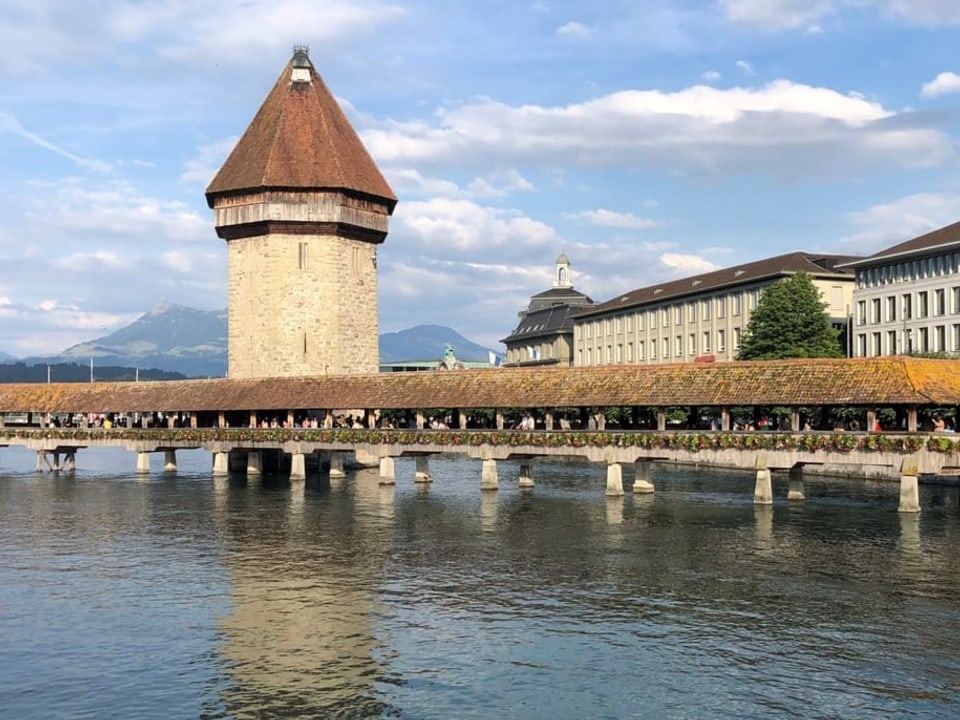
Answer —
(901, 307)
(621, 352)
(908, 341)
(909, 271)
(664, 315)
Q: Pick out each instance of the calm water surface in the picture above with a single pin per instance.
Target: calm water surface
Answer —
(185, 597)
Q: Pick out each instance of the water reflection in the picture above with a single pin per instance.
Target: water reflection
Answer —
(299, 640)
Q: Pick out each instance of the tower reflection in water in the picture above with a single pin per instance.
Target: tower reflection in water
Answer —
(300, 640)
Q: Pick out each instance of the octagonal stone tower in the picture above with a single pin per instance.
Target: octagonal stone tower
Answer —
(302, 207)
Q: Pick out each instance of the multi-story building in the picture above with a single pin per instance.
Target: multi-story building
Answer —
(701, 318)
(907, 297)
(544, 332)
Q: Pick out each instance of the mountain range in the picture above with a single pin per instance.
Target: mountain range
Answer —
(193, 342)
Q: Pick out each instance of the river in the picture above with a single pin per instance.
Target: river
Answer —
(188, 597)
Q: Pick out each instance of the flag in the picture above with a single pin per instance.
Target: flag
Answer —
(494, 358)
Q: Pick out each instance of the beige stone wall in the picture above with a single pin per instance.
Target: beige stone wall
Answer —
(302, 305)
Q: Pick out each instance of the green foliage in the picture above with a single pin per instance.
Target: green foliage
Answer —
(790, 321)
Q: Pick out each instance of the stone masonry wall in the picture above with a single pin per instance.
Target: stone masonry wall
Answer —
(302, 305)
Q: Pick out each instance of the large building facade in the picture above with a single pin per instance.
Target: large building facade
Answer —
(544, 332)
(907, 297)
(701, 318)
(302, 208)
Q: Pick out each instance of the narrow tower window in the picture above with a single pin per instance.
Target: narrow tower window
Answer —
(303, 256)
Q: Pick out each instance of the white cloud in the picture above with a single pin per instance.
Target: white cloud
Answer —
(610, 218)
(891, 223)
(10, 124)
(945, 82)
(745, 67)
(575, 30)
(457, 226)
(711, 76)
(781, 127)
(208, 33)
(779, 15)
(682, 265)
(775, 15)
(207, 161)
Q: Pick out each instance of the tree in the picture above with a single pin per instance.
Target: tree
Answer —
(790, 321)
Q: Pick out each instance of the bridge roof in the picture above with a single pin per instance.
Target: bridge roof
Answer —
(866, 382)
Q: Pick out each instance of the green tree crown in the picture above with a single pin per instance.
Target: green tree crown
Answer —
(790, 321)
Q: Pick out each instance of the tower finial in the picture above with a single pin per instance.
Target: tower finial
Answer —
(301, 64)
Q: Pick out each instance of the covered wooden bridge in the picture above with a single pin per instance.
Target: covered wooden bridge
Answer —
(913, 387)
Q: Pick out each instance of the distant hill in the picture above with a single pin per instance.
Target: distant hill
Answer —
(193, 343)
(169, 337)
(428, 342)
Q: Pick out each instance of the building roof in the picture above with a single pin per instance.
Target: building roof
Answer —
(300, 139)
(879, 382)
(768, 269)
(558, 296)
(545, 322)
(942, 238)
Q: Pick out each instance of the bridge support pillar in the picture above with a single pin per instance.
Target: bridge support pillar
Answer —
(909, 490)
(641, 477)
(614, 480)
(70, 461)
(254, 462)
(795, 491)
(763, 492)
(220, 467)
(298, 466)
(423, 470)
(169, 461)
(488, 476)
(336, 464)
(41, 460)
(388, 473)
(143, 463)
(526, 474)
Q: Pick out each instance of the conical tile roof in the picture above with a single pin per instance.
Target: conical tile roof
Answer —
(300, 139)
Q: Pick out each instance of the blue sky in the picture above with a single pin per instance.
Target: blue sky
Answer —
(646, 139)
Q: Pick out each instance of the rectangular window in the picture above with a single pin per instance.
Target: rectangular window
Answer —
(678, 346)
(606, 355)
(862, 345)
(752, 298)
(640, 320)
(875, 349)
(923, 306)
(653, 349)
(693, 344)
(861, 312)
(666, 348)
(678, 314)
(302, 255)
(736, 299)
(705, 309)
(891, 342)
(924, 340)
(722, 306)
(580, 358)
(736, 339)
(891, 308)
(619, 324)
(956, 299)
(619, 355)
(666, 317)
(940, 301)
(956, 338)
(940, 338)
(836, 297)
(875, 310)
(629, 323)
(721, 341)
(906, 306)
(706, 342)
(641, 349)
(630, 352)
